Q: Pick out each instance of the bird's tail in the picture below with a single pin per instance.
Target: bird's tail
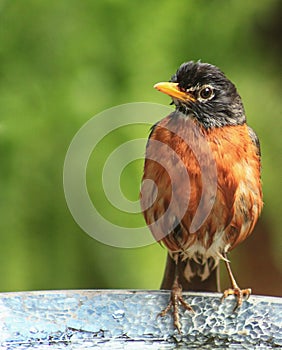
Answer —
(196, 283)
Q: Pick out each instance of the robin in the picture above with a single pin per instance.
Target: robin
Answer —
(201, 191)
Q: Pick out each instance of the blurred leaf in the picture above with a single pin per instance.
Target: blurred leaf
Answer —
(63, 62)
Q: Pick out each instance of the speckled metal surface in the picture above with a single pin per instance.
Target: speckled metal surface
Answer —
(105, 319)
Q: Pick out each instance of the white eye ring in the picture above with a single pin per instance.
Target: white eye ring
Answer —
(206, 92)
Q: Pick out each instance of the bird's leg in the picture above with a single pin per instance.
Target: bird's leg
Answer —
(239, 293)
(176, 299)
(218, 284)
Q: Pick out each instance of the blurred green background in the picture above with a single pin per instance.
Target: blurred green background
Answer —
(61, 62)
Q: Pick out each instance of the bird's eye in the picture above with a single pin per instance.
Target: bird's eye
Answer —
(206, 92)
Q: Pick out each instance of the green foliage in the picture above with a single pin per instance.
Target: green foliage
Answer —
(61, 62)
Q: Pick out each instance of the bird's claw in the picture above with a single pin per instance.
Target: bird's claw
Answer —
(240, 295)
(176, 299)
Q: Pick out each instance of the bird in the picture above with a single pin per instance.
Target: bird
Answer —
(201, 192)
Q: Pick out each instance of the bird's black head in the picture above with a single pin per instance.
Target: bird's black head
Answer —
(202, 91)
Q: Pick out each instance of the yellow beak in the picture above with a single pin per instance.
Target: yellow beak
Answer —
(172, 90)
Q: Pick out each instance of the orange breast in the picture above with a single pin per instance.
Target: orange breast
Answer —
(203, 183)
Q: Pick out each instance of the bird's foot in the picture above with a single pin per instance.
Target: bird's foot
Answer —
(240, 295)
(176, 299)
